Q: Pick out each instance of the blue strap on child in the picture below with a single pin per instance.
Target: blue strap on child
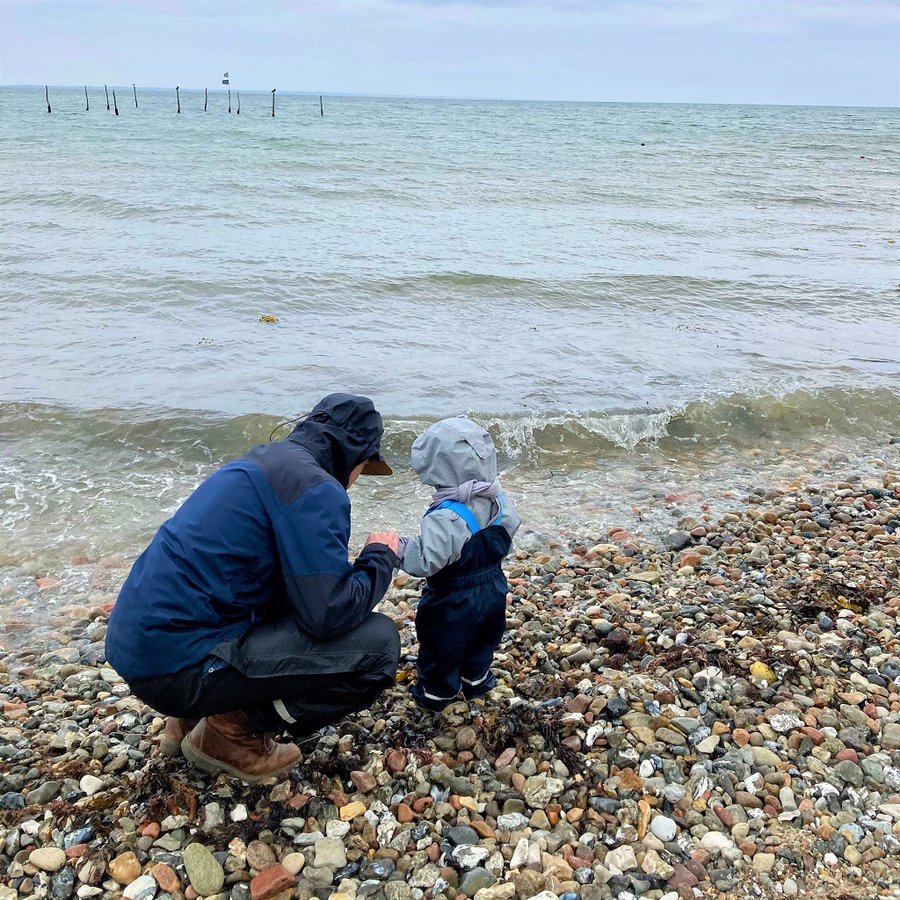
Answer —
(466, 514)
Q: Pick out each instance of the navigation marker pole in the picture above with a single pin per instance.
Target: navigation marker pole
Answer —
(273, 103)
(47, 98)
(239, 102)
(105, 88)
(87, 102)
(115, 105)
(321, 106)
(177, 101)
(205, 98)
(133, 88)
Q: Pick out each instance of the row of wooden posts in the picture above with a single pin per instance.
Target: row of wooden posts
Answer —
(115, 105)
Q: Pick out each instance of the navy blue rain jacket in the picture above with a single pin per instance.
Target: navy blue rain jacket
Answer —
(264, 536)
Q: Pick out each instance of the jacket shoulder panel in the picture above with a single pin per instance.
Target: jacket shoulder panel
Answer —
(289, 468)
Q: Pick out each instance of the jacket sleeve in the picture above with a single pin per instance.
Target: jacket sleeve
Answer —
(440, 543)
(329, 594)
(511, 520)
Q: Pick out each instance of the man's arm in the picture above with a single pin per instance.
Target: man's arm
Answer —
(328, 594)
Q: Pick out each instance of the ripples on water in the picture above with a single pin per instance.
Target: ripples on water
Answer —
(621, 292)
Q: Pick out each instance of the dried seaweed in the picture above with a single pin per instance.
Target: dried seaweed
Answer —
(165, 794)
(336, 767)
(406, 735)
(829, 595)
(514, 725)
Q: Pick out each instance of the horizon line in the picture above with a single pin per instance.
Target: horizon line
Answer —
(465, 98)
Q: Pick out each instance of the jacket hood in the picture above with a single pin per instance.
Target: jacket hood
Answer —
(452, 452)
(342, 431)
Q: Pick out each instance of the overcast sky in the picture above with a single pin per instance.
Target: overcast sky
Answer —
(754, 51)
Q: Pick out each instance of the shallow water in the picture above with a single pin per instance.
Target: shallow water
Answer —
(638, 300)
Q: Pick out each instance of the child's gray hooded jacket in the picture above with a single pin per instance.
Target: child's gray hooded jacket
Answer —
(451, 453)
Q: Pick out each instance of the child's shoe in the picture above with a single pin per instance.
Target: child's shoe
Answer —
(436, 706)
(471, 691)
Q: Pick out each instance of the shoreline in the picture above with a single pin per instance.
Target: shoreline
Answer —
(715, 716)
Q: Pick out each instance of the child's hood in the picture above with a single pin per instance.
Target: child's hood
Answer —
(452, 452)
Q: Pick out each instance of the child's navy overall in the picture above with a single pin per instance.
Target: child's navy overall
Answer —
(462, 615)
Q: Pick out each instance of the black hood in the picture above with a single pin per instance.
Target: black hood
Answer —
(341, 432)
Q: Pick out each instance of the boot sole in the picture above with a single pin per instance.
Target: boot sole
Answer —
(214, 766)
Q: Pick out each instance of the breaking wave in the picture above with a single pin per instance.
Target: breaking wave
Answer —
(736, 419)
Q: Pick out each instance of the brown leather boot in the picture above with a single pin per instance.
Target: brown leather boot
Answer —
(176, 729)
(225, 744)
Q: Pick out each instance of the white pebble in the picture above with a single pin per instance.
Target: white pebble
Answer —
(293, 862)
(337, 829)
(520, 854)
(90, 784)
(664, 828)
(239, 813)
(142, 888)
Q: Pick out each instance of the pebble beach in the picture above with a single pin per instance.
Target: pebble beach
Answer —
(712, 713)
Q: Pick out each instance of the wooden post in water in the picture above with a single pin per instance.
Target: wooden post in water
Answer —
(115, 105)
(177, 101)
(239, 102)
(205, 98)
(273, 103)
(229, 99)
(87, 102)
(105, 88)
(134, 90)
(321, 106)
(47, 98)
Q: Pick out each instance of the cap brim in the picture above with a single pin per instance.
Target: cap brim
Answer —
(377, 467)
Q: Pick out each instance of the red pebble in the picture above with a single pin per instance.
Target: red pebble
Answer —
(270, 882)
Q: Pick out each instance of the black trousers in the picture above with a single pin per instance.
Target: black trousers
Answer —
(283, 678)
(458, 631)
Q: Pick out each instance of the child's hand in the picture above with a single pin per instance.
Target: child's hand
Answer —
(387, 538)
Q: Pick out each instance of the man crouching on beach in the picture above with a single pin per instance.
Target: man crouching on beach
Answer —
(244, 617)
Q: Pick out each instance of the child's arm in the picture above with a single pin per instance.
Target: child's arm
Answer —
(440, 543)
(511, 519)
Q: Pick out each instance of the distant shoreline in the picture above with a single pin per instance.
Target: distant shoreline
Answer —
(448, 97)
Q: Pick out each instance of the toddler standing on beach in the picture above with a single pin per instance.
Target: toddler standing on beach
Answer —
(465, 535)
